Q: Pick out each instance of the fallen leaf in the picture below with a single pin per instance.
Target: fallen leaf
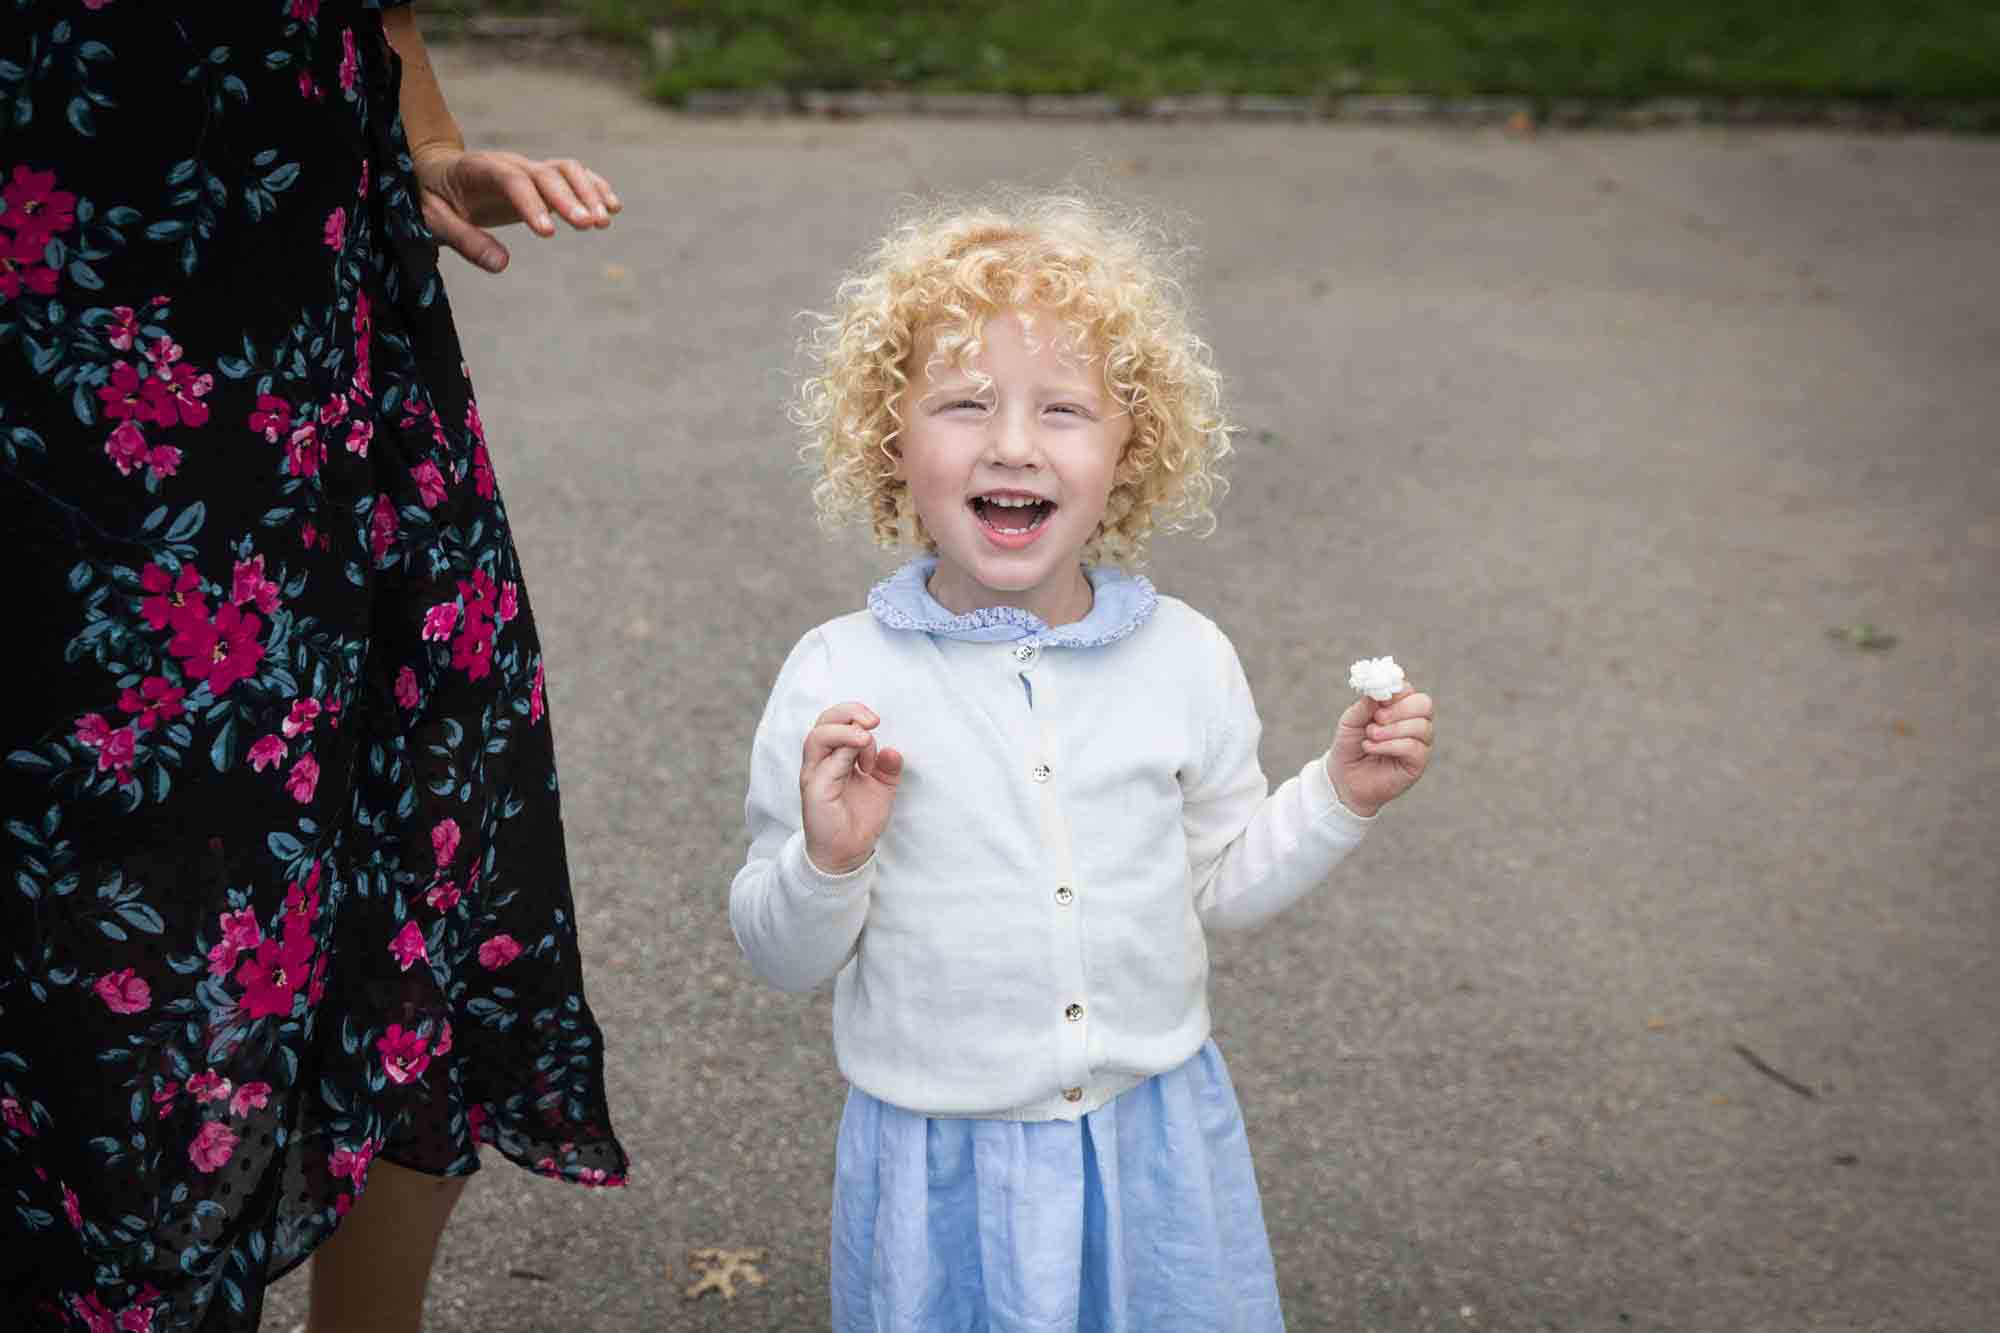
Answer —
(1720, 1099)
(1902, 728)
(719, 1270)
(617, 272)
(1657, 1024)
(1521, 125)
(1868, 637)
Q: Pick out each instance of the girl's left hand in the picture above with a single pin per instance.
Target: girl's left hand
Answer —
(464, 193)
(1380, 750)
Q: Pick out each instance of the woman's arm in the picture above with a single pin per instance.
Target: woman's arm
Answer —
(464, 192)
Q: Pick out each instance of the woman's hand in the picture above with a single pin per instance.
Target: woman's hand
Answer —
(847, 788)
(463, 193)
(1380, 750)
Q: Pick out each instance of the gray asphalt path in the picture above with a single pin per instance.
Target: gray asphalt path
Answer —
(1599, 435)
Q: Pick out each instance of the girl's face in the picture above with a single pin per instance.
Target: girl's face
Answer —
(1010, 477)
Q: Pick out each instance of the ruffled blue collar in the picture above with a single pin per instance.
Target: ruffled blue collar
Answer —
(1120, 603)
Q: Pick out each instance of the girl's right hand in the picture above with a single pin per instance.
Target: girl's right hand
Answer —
(846, 788)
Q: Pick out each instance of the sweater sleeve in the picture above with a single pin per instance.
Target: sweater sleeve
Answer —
(796, 924)
(1251, 854)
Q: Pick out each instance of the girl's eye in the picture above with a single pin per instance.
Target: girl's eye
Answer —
(1069, 409)
(961, 403)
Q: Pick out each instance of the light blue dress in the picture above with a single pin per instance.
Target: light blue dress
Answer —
(1141, 1217)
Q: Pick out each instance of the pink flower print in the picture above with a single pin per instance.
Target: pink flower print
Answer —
(133, 1318)
(364, 323)
(475, 1121)
(430, 483)
(480, 592)
(124, 992)
(163, 352)
(72, 1206)
(222, 651)
(444, 841)
(305, 10)
(304, 452)
(510, 601)
(349, 64)
(93, 730)
(309, 90)
(405, 1055)
(164, 1099)
(208, 1086)
(162, 461)
(443, 1046)
(472, 651)
(272, 418)
(535, 705)
(126, 447)
(273, 976)
(332, 412)
(91, 1310)
(308, 534)
(382, 525)
(22, 268)
(345, 1164)
(360, 433)
(115, 749)
(303, 779)
(250, 1097)
(248, 584)
(408, 946)
(128, 396)
(443, 895)
(124, 329)
(304, 713)
(341, 1204)
(35, 208)
(317, 987)
(156, 700)
(439, 620)
(593, 1177)
(335, 231)
(212, 1147)
(188, 387)
(302, 909)
(176, 599)
(362, 189)
(239, 932)
(482, 473)
(407, 694)
(497, 952)
(15, 1118)
(266, 751)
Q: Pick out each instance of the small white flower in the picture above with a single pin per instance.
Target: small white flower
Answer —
(1377, 677)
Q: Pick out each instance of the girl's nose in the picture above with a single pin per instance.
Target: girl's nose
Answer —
(1010, 440)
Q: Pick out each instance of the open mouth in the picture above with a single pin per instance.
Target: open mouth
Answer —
(1012, 515)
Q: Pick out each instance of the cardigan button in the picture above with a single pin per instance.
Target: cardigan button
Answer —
(1026, 653)
(1072, 1094)
(1064, 895)
(1074, 1013)
(1041, 772)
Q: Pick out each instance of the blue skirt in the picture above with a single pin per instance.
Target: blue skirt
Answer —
(1142, 1217)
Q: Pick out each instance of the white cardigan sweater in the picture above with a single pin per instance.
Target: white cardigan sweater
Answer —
(1026, 942)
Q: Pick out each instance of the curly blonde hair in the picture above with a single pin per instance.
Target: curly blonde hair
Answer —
(1111, 282)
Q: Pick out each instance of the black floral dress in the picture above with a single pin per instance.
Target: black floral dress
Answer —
(284, 883)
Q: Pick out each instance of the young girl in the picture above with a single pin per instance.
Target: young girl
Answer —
(1028, 782)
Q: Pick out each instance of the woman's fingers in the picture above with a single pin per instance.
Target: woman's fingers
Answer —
(524, 196)
(477, 244)
(610, 195)
(584, 184)
(560, 195)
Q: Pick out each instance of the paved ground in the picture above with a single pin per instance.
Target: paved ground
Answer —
(1598, 435)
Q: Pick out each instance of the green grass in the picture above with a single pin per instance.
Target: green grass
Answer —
(1140, 48)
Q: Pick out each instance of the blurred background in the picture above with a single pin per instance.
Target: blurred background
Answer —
(1665, 459)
